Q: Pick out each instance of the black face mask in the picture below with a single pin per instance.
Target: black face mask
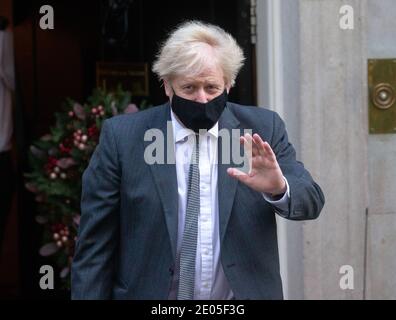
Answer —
(196, 115)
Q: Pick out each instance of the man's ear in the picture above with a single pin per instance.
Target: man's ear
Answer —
(168, 88)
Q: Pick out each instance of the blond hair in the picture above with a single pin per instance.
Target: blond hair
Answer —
(185, 52)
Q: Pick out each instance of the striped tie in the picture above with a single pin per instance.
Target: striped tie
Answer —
(189, 242)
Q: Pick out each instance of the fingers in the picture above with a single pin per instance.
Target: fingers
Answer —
(247, 141)
(258, 146)
(264, 147)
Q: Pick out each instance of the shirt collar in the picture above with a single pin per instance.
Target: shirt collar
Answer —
(180, 132)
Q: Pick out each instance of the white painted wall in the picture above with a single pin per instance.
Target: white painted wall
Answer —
(381, 244)
(278, 74)
(334, 144)
(314, 74)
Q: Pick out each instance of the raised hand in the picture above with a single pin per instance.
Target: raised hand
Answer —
(265, 174)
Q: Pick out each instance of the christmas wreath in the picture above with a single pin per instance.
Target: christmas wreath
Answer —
(57, 162)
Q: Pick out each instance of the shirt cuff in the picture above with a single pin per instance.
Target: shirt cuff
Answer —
(282, 203)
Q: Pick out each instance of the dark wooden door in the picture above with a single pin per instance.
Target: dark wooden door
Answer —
(54, 64)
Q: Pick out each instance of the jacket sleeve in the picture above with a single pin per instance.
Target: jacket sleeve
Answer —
(306, 197)
(93, 263)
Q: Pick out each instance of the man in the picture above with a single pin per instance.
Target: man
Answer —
(195, 227)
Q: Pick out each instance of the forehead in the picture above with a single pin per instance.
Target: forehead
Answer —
(211, 73)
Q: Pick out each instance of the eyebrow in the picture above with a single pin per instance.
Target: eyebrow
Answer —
(210, 81)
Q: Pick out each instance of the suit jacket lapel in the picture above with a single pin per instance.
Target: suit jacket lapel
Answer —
(226, 185)
(165, 176)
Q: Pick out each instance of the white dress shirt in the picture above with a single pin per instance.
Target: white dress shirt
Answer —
(7, 85)
(210, 280)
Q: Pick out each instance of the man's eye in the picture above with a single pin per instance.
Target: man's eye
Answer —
(212, 88)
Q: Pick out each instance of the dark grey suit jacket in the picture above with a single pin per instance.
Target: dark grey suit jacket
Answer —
(126, 244)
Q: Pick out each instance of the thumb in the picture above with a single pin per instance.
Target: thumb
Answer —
(237, 174)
